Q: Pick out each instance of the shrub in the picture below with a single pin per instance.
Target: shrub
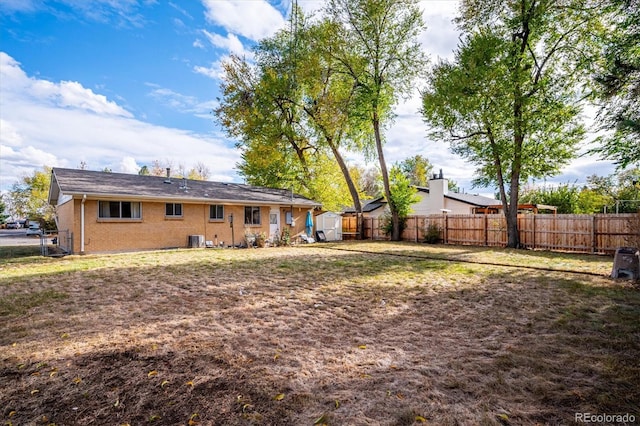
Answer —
(432, 234)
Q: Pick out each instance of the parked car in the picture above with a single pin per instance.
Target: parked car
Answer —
(34, 229)
(13, 225)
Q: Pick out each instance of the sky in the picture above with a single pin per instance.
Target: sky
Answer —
(120, 83)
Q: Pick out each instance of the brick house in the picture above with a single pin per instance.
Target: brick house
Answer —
(109, 212)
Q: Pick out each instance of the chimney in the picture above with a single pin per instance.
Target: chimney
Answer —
(438, 188)
(168, 179)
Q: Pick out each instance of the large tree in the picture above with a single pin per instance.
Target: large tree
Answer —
(380, 52)
(292, 112)
(29, 196)
(417, 169)
(618, 84)
(509, 101)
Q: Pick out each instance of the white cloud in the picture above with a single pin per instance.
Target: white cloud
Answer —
(9, 135)
(198, 43)
(12, 6)
(128, 165)
(62, 124)
(254, 20)
(182, 103)
(67, 94)
(213, 71)
(230, 43)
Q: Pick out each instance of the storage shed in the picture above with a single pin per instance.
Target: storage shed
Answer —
(330, 223)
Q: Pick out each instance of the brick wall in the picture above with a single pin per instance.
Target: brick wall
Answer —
(156, 231)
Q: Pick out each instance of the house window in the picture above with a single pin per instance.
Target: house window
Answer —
(173, 210)
(216, 212)
(252, 215)
(288, 218)
(119, 210)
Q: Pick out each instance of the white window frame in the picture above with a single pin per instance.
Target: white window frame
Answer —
(211, 210)
(173, 208)
(249, 219)
(135, 207)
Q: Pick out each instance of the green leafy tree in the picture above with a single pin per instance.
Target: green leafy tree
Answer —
(3, 210)
(369, 181)
(567, 198)
(291, 113)
(404, 195)
(509, 102)
(618, 85)
(144, 171)
(417, 169)
(29, 196)
(380, 52)
(627, 198)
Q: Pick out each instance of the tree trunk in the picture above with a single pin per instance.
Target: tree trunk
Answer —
(395, 220)
(357, 204)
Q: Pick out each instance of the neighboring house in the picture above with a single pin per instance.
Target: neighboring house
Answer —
(436, 199)
(106, 212)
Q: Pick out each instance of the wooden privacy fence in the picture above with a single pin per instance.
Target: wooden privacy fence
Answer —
(598, 233)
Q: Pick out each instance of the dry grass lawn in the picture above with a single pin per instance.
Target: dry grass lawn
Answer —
(370, 334)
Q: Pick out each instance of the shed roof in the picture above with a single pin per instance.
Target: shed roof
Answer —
(76, 182)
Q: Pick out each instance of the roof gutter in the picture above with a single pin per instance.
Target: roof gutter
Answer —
(121, 197)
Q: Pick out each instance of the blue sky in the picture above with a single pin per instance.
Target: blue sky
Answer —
(120, 83)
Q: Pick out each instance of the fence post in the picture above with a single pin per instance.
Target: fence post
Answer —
(594, 239)
(486, 229)
(446, 229)
(534, 232)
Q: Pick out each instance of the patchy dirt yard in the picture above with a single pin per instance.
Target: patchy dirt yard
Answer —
(371, 334)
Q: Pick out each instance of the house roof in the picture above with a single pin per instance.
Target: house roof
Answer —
(368, 206)
(476, 200)
(75, 182)
(473, 199)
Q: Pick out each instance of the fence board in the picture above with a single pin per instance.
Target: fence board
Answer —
(599, 233)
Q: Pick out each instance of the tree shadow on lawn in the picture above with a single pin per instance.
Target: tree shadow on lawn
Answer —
(497, 256)
(342, 339)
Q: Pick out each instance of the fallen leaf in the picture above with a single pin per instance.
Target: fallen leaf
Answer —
(12, 413)
(164, 383)
(320, 420)
(279, 397)
(53, 373)
(503, 416)
(193, 420)
(152, 373)
(246, 406)
(77, 380)
(362, 347)
(189, 383)
(35, 391)
(115, 404)
(64, 336)
(420, 419)
(337, 404)
(154, 417)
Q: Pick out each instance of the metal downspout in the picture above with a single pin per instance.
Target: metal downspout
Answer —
(84, 198)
